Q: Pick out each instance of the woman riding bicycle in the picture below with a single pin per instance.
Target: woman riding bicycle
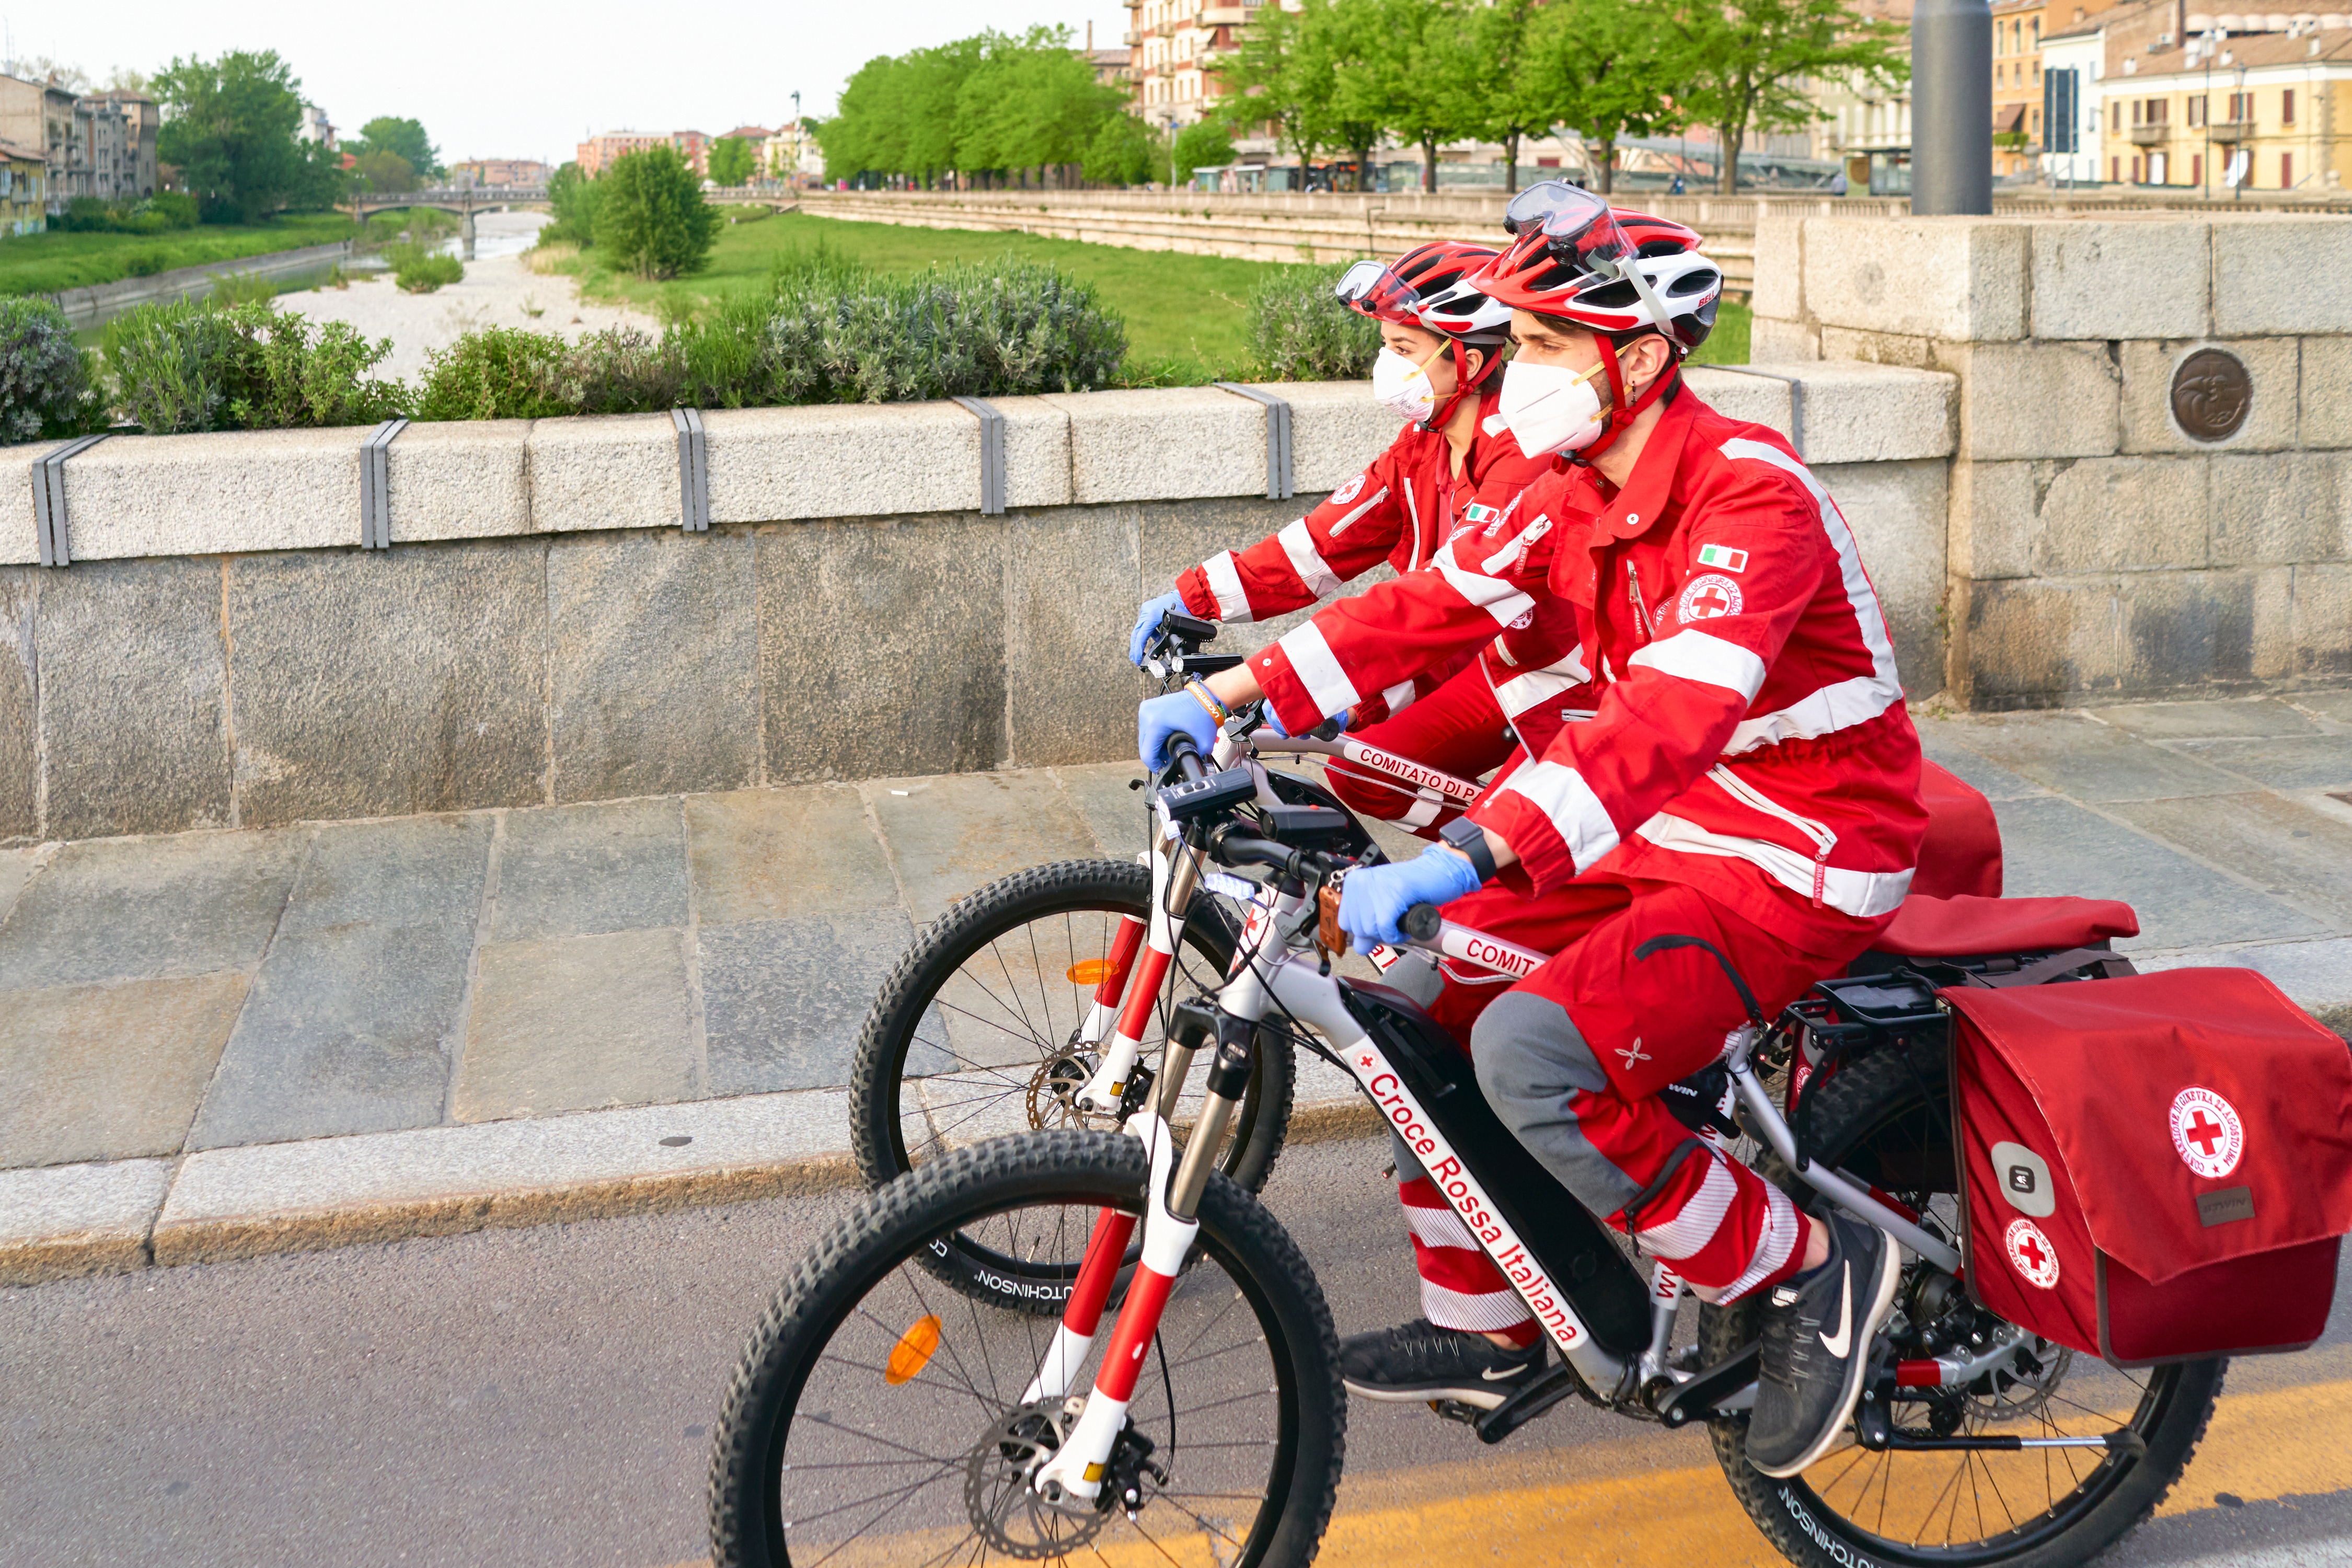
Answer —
(1750, 776)
(1453, 466)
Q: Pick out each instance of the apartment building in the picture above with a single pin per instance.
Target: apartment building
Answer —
(111, 153)
(40, 115)
(315, 126)
(489, 173)
(23, 190)
(598, 153)
(2016, 86)
(792, 155)
(1864, 126)
(1178, 46)
(693, 147)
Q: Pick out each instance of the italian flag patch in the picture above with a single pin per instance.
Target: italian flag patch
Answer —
(1722, 559)
(1474, 512)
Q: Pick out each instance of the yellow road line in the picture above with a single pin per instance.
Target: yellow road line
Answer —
(1639, 1501)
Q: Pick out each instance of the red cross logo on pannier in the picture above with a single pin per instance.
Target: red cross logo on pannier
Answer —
(2207, 1132)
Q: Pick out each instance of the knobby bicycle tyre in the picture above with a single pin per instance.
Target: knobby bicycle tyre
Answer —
(809, 1324)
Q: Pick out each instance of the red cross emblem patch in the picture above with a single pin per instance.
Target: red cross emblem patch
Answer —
(1705, 598)
(2206, 1132)
(2031, 1253)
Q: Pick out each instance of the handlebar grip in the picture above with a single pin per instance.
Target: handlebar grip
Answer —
(1420, 923)
(1187, 758)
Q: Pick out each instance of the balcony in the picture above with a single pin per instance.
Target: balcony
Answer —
(2150, 135)
(2231, 131)
(1224, 17)
(1165, 30)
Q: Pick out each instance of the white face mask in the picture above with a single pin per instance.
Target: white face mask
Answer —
(1550, 409)
(1404, 386)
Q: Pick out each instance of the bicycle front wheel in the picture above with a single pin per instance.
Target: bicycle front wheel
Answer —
(877, 1417)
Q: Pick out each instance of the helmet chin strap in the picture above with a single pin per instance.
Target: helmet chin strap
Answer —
(1463, 385)
(1620, 414)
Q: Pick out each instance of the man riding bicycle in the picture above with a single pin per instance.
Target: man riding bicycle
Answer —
(1455, 462)
(1749, 777)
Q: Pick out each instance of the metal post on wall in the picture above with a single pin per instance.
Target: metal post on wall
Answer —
(1951, 108)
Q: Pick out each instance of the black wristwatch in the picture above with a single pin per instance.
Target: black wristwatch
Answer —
(1471, 840)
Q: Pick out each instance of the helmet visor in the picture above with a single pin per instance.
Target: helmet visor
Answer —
(1371, 289)
(1579, 229)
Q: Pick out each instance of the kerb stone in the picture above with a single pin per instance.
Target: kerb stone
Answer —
(1037, 451)
(1336, 430)
(68, 1220)
(1164, 445)
(613, 471)
(769, 465)
(204, 495)
(2129, 278)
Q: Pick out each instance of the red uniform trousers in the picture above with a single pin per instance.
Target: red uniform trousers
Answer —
(1458, 729)
(1574, 1056)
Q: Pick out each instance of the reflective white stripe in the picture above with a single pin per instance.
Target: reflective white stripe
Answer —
(1489, 1313)
(1299, 545)
(1694, 656)
(1695, 1223)
(1423, 812)
(1413, 510)
(1311, 661)
(1399, 696)
(1535, 688)
(1492, 595)
(1439, 1227)
(1847, 702)
(1342, 526)
(1225, 582)
(1862, 894)
(1516, 549)
(1577, 814)
(1781, 1231)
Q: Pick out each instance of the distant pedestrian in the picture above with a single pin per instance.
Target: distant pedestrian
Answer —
(1676, 189)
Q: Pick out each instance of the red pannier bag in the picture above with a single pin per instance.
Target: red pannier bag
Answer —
(2156, 1167)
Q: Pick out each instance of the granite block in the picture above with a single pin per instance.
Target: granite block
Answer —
(2036, 400)
(1164, 444)
(2284, 761)
(2282, 508)
(580, 870)
(1336, 430)
(775, 854)
(68, 1220)
(577, 1022)
(2285, 849)
(2324, 393)
(1072, 580)
(948, 835)
(463, 479)
(653, 665)
(1734, 394)
(144, 909)
(2148, 368)
(1037, 451)
(2122, 513)
(784, 999)
(882, 647)
(2130, 278)
(214, 494)
(770, 465)
(2280, 275)
(134, 698)
(1858, 413)
(1995, 522)
(605, 471)
(1897, 513)
(1956, 278)
(110, 1072)
(382, 683)
(356, 1011)
(20, 713)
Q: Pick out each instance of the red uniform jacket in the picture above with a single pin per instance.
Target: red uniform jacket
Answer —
(1399, 509)
(1749, 738)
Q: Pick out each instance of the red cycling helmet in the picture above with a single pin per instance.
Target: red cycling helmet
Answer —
(1574, 257)
(1429, 288)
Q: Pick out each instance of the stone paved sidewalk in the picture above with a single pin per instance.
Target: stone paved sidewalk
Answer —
(221, 1043)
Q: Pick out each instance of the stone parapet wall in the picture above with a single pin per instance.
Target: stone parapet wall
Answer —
(222, 653)
(2099, 547)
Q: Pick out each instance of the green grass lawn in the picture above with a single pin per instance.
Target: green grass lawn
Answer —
(1184, 313)
(49, 263)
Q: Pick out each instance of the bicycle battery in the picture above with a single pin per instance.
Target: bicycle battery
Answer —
(1570, 1246)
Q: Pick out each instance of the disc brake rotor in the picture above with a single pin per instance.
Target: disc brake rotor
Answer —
(997, 1496)
(2019, 1394)
(1052, 1095)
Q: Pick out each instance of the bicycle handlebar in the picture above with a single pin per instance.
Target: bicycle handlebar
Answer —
(1420, 923)
(1186, 756)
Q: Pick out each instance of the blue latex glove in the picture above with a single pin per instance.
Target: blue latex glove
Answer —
(1274, 722)
(1176, 714)
(1374, 897)
(1148, 621)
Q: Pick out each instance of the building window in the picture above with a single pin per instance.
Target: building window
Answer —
(2115, 115)
(2197, 168)
(2286, 171)
(2135, 179)
(2196, 118)
(2286, 107)
(2114, 170)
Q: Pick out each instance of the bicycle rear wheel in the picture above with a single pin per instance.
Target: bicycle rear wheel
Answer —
(877, 1417)
(1887, 1120)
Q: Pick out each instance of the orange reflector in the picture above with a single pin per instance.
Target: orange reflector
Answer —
(1090, 972)
(913, 1351)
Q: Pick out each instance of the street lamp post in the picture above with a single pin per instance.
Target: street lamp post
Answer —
(1169, 118)
(1952, 107)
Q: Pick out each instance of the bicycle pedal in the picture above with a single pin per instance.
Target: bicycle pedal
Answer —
(1455, 1410)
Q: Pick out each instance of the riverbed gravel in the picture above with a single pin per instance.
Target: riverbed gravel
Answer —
(498, 291)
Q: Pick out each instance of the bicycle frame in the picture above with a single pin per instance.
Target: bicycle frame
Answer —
(1274, 971)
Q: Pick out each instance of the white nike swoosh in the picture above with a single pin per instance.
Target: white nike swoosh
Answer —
(1490, 1375)
(1838, 1346)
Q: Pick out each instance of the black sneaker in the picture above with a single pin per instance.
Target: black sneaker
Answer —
(1421, 1361)
(1816, 1349)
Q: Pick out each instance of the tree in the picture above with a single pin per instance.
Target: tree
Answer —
(383, 171)
(1609, 70)
(572, 198)
(122, 78)
(731, 159)
(1746, 65)
(405, 138)
(1125, 152)
(1403, 67)
(1512, 94)
(1204, 144)
(1281, 78)
(1030, 102)
(228, 126)
(978, 107)
(650, 216)
(56, 73)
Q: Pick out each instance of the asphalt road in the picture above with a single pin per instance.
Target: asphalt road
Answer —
(543, 1397)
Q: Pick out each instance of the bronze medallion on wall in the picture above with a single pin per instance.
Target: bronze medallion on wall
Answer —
(2211, 395)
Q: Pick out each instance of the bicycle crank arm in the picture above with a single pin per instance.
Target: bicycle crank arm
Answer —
(1727, 1385)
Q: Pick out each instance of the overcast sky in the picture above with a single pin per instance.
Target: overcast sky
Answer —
(525, 81)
